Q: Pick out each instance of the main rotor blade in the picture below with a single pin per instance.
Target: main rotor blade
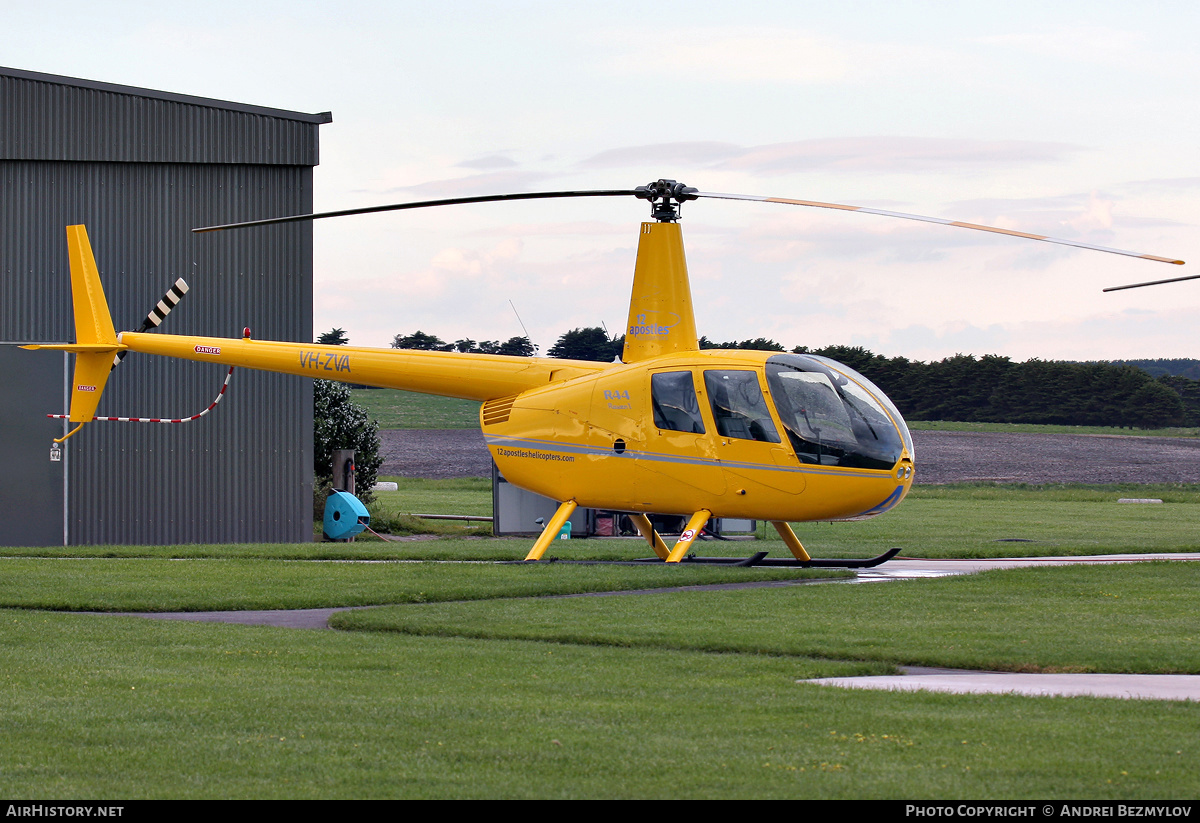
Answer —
(679, 193)
(451, 201)
(942, 221)
(1152, 283)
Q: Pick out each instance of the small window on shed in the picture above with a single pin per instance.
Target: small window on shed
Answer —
(675, 405)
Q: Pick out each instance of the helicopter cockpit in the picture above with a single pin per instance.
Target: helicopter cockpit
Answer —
(833, 416)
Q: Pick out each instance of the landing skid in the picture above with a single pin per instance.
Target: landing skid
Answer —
(760, 559)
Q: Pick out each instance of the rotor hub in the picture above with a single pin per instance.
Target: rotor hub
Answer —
(666, 197)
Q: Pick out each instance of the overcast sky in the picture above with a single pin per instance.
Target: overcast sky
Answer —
(1071, 119)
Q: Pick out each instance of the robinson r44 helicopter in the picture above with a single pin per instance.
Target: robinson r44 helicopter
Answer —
(668, 428)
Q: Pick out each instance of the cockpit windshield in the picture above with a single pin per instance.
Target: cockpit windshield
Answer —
(833, 415)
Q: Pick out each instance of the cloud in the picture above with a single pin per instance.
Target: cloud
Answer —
(1162, 185)
(936, 343)
(845, 154)
(1078, 44)
(567, 229)
(491, 161)
(1121, 335)
(1092, 217)
(1097, 216)
(702, 153)
(460, 262)
(894, 154)
(761, 54)
(489, 183)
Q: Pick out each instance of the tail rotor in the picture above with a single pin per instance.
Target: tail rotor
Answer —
(97, 348)
(159, 313)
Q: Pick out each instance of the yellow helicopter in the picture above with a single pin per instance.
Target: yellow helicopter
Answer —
(667, 428)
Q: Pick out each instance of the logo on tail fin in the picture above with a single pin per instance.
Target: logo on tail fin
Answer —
(654, 326)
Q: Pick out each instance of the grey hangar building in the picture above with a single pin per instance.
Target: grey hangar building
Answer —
(140, 168)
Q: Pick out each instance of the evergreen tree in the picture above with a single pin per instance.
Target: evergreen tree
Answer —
(421, 340)
(587, 344)
(517, 347)
(951, 389)
(757, 344)
(1189, 393)
(339, 423)
(1155, 405)
(1161, 367)
(334, 337)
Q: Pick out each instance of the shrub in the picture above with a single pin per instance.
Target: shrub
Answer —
(339, 423)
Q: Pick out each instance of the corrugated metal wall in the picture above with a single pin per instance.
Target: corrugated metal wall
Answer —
(60, 118)
(29, 475)
(148, 171)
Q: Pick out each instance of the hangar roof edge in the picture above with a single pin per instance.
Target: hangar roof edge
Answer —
(318, 118)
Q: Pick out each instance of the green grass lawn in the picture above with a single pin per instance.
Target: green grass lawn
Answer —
(985, 520)
(666, 695)
(459, 495)
(961, 520)
(964, 520)
(480, 685)
(395, 409)
(1108, 618)
(158, 584)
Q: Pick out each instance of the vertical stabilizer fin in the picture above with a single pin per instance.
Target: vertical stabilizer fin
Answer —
(93, 324)
(661, 320)
(95, 339)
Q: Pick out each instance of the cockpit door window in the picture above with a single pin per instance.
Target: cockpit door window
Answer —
(675, 405)
(738, 406)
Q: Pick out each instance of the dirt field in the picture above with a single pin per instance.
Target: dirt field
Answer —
(942, 457)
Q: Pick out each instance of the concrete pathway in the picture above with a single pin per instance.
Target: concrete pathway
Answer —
(903, 568)
(1148, 686)
(286, 618)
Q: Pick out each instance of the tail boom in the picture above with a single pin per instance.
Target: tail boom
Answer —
(449, 374)
(98, 348)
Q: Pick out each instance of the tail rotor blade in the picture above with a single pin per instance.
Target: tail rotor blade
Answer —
(158, 314)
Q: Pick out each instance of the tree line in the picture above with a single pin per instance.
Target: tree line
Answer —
(991, 388)
(995, 389)
(515, 346)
